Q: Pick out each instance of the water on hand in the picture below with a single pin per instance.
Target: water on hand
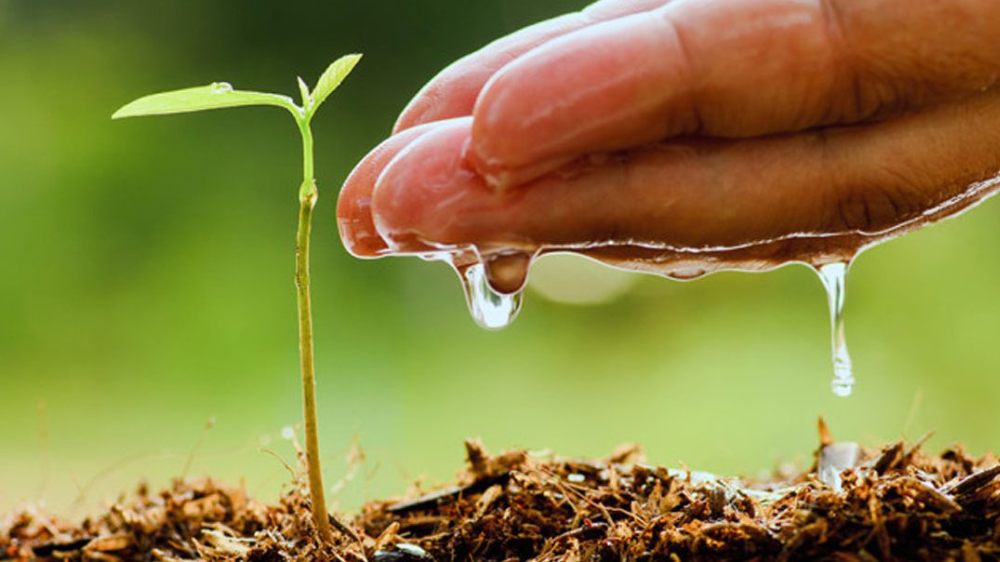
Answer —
(494, 276)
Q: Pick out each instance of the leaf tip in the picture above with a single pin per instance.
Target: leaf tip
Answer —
(333, 76)
(307, 98)
(123, 112)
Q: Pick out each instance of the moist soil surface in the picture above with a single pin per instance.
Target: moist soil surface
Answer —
(854, 504)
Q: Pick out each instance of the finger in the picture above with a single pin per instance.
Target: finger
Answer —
(729, 68)
(860, 182)
(354, 217)
(453, 92)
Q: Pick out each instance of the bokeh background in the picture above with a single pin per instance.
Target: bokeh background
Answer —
(146, 288)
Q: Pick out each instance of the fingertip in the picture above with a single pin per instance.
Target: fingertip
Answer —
(421, 196)
(354, 222)
(411, 114)
(420, 110)
(354, 217)
(597, 89)
(513, 117)
(450, 94)
(453, 92)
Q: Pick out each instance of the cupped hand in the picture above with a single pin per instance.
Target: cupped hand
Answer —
(694, 124)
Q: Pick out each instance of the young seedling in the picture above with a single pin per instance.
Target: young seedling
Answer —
(221, 95)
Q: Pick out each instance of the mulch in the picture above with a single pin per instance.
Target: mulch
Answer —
(853, 504)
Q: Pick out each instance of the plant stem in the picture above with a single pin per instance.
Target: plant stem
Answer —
(308, 194)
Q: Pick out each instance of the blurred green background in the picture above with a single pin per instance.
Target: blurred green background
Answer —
(146, 287)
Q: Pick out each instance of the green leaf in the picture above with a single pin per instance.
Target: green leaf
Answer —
(214, 96)
(307, 99)
(333, 76)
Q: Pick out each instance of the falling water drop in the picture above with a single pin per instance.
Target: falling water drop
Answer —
(490, 308)
(834, 277)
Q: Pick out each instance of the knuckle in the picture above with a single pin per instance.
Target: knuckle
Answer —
(873, 208)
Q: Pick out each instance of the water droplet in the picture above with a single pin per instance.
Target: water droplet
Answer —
(221, 87)
(834, 459)
(686, 273)
(508, 272)
(490, 308)
(834, 277)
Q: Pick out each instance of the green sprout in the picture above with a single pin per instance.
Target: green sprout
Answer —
(221, 95)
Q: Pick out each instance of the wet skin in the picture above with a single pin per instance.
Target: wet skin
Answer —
(760, 131)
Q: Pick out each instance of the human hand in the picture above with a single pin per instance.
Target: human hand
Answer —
(754, 131)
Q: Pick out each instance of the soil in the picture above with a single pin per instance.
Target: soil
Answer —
(897, 503)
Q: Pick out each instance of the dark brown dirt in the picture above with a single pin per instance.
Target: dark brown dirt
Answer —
(894, 504)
